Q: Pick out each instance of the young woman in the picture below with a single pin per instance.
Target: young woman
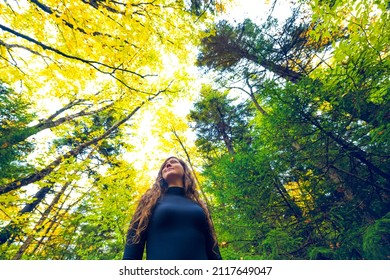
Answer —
(172, 220)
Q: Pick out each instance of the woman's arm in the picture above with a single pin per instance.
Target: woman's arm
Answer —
(134, 251)
(212, 248)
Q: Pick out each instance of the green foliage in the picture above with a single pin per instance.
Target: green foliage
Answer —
(376, 239)
(320, 253)
(278, 244)
(220, 124)
(84, 128)
(15, 117)
(317, 169)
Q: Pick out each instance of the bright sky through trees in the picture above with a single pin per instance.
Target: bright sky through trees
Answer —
(148, 144)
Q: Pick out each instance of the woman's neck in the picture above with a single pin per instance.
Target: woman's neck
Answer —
(176, 182)
(175, 185)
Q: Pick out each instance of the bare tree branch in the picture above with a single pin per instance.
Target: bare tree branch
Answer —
(92, 63)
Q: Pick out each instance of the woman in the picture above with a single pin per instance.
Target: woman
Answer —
(172, 220)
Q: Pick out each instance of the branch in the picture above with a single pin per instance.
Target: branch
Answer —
(48, 123)
(50, 168)
(359, 178)
(353, 150)
(12, 228)
(95, 4)
(66, 107)
(17, 184)
(92, 63)
(252, 96)
(50, 11)
(45, 214)
(10, 46)
(23, 134)
(55, 216)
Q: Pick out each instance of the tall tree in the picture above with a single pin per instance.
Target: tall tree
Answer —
(322, 104)
(219, 123)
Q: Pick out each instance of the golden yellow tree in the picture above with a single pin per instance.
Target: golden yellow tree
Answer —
(87, 67)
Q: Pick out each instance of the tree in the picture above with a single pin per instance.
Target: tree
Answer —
(219, 123)
(87, 67)
(14, 116)
(320, 90)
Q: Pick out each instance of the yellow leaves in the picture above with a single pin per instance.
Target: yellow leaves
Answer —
(102, 34)
(10, 204)
(309, 172)
(325, 106)
(220, 7)
(299, 192)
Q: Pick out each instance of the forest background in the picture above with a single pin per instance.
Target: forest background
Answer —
(284, 121)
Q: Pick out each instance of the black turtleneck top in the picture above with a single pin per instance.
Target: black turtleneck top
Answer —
(177, 230)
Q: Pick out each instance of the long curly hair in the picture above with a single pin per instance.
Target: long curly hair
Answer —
(147, 202)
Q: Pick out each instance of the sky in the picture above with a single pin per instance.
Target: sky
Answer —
(256, 10)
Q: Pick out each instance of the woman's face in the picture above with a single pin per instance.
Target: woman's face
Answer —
(172, 171)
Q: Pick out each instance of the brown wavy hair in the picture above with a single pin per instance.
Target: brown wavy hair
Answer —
(147, 202)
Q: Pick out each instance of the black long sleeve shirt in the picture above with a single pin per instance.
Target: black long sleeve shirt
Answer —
(178, 230)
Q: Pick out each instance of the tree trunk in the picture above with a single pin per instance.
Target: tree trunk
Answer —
(192, 167)
(39, 175)
(12, 228)
(222, 129)
(21, 135)
(44, 216)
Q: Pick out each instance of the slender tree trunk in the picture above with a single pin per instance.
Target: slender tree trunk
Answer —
(39, 224)
(39, 175)
(286, 197)
(53, 220)
(222, 129)
(192, 167)
(13, 228)
(353, 150)
(21, 135)
(57, 218)
(53, 223)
